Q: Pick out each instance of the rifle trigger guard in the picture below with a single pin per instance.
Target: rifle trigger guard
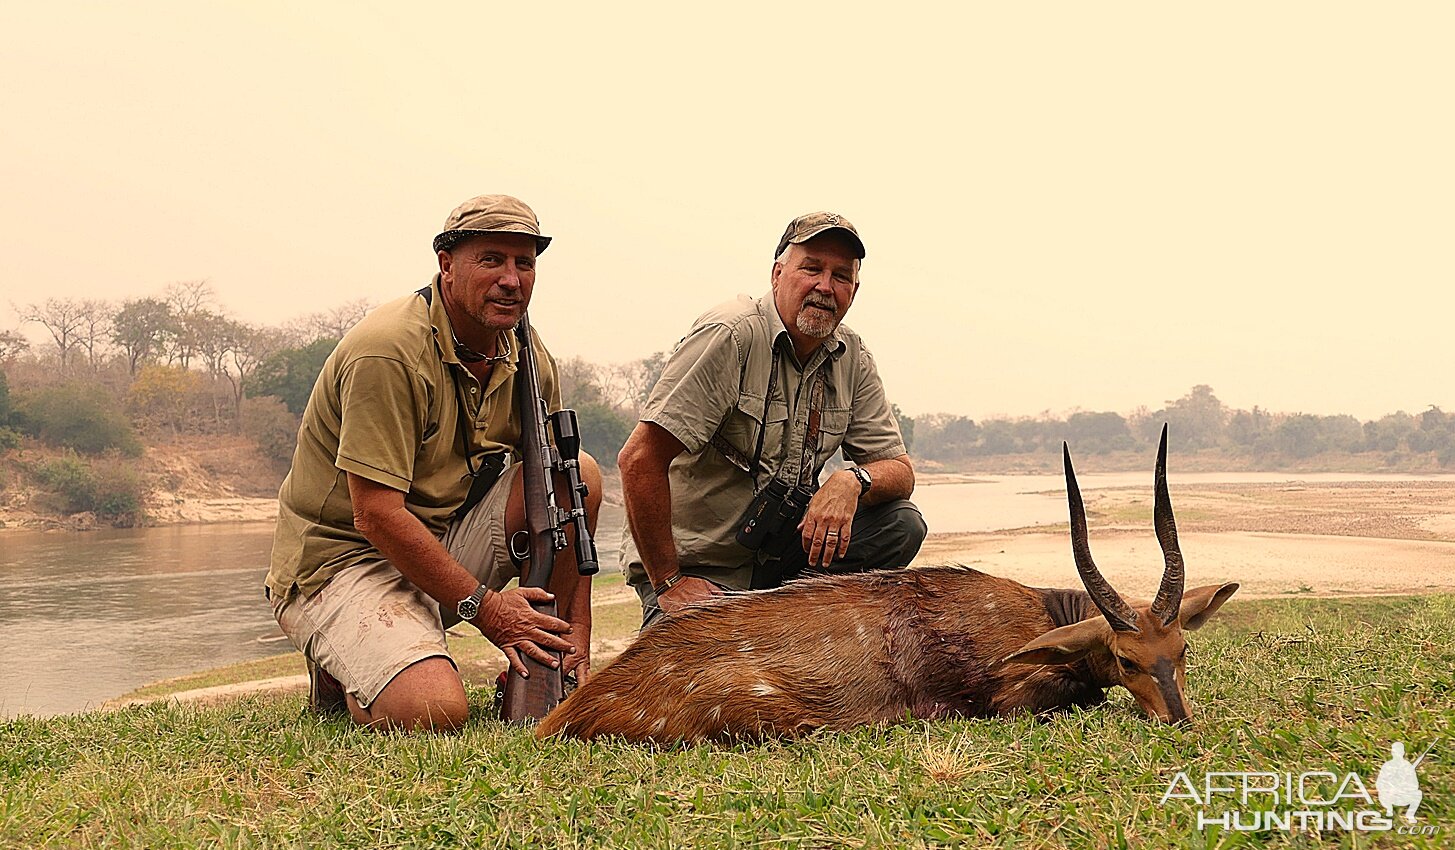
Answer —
(519, 546)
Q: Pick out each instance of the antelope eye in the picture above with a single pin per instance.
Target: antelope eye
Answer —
(1126, 664)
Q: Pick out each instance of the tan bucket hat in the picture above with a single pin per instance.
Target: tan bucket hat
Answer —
(805, 227)
(491, 214)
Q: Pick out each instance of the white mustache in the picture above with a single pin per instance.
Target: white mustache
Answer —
(825, 304)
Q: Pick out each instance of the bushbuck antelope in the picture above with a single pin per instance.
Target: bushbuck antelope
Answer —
(841, 651)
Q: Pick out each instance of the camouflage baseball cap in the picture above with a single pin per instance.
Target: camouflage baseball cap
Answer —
(490, 214)
(805, 227)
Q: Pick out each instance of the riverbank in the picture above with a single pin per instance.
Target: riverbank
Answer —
(1350, 538)
(187, 481)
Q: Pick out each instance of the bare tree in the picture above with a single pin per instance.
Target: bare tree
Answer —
(191, 296)
(327, 324)
(12, 345)
(334, 323)
(580, 382)
(191, 302)
(632, 382)
(63, 318)
(95, 330)
(216, 336)
(254, 344)
(623, 387)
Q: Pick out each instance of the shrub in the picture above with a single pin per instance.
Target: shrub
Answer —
(4, 401)
(67, 484)
(76, 416)
(267, 422)
(110, 487)
(120, 492)
(167, 397)
(9, 439)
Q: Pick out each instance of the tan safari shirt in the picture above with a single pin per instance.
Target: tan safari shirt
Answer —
(387, 407)
(713, 383)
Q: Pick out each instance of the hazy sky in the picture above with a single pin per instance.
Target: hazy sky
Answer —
(1065, 206)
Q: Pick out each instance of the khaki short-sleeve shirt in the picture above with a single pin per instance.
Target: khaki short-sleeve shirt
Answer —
(393, 404)
(713, 386)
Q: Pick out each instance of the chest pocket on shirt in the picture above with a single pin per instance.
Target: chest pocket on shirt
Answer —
(740, 431)
(834, 424)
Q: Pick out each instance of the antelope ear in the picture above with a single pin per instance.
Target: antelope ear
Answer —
(1063, 645)
(1200, 603)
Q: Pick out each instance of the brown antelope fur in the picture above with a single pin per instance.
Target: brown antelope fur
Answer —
(842, 651)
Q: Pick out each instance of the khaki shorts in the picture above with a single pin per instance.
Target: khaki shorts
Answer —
(369, 622)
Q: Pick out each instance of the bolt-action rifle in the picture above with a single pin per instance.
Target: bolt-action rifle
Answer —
(534, 697)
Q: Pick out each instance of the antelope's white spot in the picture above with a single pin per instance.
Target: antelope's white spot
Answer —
(716, 711)
(990, 606)
(746, 647)
(691, 686)
(861, 632)
(763, 689)
(659, 725)
(641, 714)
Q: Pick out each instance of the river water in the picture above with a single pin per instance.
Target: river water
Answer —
(87, 616)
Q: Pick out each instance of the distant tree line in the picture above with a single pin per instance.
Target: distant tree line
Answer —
(1199, 421)
(115, 375)
(174, 364)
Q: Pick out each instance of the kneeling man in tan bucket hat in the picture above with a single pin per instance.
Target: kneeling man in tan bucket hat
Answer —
(405, 487)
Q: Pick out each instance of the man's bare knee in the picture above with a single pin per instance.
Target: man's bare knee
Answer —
(591, 477)
(426, 696)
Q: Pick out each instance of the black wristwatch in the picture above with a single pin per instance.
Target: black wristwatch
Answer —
(865, 480)
(469, 607)
(670, 582)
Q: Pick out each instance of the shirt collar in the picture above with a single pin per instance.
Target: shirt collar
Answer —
(444, 338)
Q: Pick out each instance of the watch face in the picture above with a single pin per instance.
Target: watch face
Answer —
(468, 608)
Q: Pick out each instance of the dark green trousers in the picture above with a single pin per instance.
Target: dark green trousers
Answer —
(885, 536)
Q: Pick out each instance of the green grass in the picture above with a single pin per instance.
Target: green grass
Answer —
(1286, 684)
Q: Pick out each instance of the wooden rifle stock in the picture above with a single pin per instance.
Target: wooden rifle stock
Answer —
(533, 697)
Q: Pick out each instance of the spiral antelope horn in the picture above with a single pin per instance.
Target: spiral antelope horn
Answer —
(1169, 596)
(1117, 612)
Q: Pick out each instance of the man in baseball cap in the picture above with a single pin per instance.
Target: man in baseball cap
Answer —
(405, 487)
(806, 227)
(721, 475)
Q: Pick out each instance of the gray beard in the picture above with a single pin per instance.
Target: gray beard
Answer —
(816, 324)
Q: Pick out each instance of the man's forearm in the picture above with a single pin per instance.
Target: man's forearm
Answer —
(893, 479)
(419, 556)
(649, 516)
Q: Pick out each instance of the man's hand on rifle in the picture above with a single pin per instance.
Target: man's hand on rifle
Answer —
(507, 620)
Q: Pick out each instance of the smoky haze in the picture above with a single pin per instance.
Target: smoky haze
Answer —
(1071, 206)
